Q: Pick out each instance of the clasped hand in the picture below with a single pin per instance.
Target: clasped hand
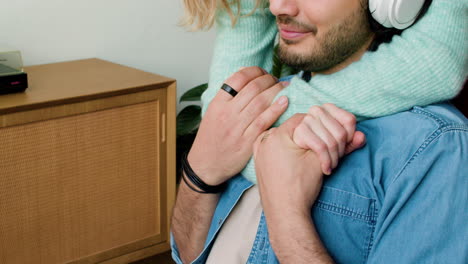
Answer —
(224, 141)
(231, 125)
(290, 160)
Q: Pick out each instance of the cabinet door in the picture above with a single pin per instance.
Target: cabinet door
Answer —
(87, 187)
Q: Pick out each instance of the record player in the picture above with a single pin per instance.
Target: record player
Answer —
(12, 77)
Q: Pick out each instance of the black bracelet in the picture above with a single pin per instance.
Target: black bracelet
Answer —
(196, 181)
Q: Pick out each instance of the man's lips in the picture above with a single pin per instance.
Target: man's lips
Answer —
(288, 32)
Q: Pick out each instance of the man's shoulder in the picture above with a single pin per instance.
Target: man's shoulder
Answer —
(417, 139)
(421, 133)
(416, 123)
(442, 115)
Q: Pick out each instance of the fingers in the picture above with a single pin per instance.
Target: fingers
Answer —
(239, 80)
(291, 124)
(346, 119)
(330, 132)
(260, 103)
(287, 127)
(337, 131)
(358, 141)
(256, 91)
(267, 118)
(253, 89)
(311, 134)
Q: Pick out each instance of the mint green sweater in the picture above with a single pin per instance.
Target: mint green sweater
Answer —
(425, 65)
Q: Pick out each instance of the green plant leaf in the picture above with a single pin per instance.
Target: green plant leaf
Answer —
(188, 119)
(194, 94)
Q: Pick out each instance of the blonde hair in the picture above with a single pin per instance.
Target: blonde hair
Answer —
(200, 14)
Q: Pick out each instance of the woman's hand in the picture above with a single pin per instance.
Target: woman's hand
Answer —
(330, 132)
(224, 141)
(290, 159)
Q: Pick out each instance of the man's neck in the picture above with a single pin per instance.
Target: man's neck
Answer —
(353, 58)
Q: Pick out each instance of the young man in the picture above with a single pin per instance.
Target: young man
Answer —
(400, 199)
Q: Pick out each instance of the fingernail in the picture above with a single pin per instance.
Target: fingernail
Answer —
(328, 172)
(282, 100)
(362, 144)
(241, 68)
(285, 83)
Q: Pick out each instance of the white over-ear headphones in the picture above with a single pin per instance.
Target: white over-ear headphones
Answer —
(399, 14)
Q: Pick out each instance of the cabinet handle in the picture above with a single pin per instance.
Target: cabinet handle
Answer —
(163, 128)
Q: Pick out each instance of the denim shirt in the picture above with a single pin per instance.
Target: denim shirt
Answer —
(402, 198)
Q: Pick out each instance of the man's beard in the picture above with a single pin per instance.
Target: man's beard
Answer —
(334, 47)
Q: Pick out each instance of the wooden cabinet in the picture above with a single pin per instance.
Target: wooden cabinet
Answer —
(87, 165)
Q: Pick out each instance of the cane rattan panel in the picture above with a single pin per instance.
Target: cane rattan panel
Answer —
(80, 185)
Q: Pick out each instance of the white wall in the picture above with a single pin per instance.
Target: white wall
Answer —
(137, 33)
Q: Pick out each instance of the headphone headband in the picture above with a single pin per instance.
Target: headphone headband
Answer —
(398, 14)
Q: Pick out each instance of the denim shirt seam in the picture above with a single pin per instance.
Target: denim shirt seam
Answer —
(258, 239)
(429, 140)
(370, 219)
(442, 126)
(431, 116)
(341, 210)
(346, 192)
(371, 238)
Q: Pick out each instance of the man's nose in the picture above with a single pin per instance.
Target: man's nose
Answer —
(284, 7)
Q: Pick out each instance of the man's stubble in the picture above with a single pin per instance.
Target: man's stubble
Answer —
(333, 47)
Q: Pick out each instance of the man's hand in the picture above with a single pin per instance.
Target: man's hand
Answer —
(222, 148)
(230, 126)
(330, 132)
(290, 178)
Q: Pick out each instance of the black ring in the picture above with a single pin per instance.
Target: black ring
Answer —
(229, 89)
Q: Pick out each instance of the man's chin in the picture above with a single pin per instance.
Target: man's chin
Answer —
(289, 42)
(292, 49)
(302, 59)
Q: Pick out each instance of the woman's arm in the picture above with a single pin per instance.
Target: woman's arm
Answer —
(249, 43)
(426, 64)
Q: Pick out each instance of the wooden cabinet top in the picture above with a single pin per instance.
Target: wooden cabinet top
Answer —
(76, 81)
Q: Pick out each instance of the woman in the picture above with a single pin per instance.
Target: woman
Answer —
(404, 73)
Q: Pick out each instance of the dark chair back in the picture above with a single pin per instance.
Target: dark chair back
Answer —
(461, 101)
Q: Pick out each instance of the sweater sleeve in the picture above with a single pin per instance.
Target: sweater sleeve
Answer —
(426, 64)
(249, 43)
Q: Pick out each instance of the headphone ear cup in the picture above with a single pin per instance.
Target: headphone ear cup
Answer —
(403, 13)
(379, 10)
(373, 5)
